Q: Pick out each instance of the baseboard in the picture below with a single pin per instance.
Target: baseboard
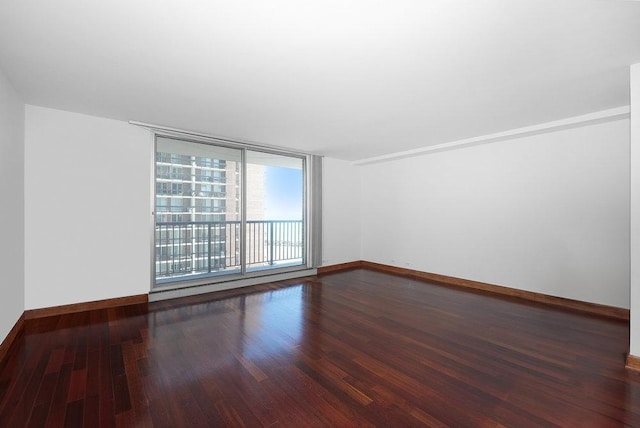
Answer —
(323, 270)
(85, 306)
(195, 290)
(577, 305)
(633, 362)
(13, 334)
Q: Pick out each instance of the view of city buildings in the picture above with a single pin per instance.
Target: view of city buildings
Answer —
(198, 217)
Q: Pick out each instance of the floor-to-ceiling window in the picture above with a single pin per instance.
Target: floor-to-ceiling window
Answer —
(226, 212)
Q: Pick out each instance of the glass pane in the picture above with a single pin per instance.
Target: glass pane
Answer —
(275, 211)
(197, 232)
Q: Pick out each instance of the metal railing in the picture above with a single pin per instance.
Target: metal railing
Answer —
(203, 247)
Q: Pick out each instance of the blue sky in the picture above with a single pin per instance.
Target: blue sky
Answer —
(283, 193)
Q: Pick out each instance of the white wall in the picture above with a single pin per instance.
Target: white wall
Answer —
(87, 208)
(635, 210)
(340, 212)
(72, 161)
(547, 213)
(12, 212)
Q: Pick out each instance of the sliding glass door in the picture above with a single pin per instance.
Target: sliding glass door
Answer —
(223, 212)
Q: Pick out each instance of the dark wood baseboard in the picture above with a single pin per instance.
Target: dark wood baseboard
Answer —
(85, 306)
(592, 308)
(633, 362)
(323, 270)
(13, 333)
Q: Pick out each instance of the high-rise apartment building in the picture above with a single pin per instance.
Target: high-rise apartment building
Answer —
(208, 222)
(197, 214)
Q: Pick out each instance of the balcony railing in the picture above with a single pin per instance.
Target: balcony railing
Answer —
(184, 249)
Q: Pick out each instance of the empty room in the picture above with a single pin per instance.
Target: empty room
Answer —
(304, 213)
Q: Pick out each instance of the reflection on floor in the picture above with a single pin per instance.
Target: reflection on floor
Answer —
(355, 348)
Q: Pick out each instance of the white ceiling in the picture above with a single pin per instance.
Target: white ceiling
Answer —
(347, 79)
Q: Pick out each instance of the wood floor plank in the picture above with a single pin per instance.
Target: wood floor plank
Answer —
(350, 348)
(58, 406)
(74, 414)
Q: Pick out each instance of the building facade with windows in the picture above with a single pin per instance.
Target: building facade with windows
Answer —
(197, 214)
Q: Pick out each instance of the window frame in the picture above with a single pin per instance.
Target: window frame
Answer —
(226, 281)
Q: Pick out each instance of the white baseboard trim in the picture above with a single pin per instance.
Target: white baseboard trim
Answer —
(159, 294)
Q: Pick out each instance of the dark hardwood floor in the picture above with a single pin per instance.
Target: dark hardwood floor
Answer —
(355, 348)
